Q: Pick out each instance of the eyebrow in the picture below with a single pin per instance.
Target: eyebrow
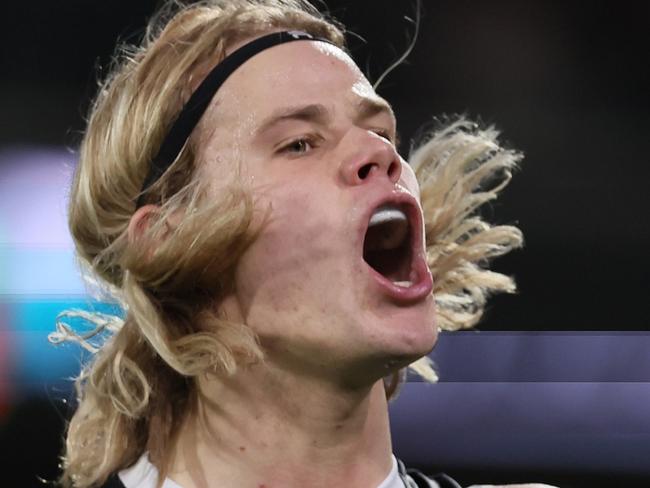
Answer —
(308, 113)
(369, 107)
(319, 114)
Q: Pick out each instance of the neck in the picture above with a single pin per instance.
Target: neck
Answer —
(266, 428)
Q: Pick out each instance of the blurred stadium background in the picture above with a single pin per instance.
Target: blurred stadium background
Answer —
(556, 386)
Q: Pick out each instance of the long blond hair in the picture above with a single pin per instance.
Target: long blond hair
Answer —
(134, 393)
(460, 166)
(137, 388)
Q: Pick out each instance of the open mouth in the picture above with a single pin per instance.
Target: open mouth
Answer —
(387, 247)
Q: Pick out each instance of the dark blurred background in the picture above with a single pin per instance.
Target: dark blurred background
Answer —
(565, 82)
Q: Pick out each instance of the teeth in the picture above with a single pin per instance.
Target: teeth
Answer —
(387, 229)
(387, 214)
(403, 284)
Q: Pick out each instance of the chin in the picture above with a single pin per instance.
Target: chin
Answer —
(408, 335)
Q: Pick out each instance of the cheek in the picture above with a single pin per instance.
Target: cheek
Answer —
(409, 181)
(296, 242)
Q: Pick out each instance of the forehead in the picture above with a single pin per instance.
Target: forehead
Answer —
(290, 74)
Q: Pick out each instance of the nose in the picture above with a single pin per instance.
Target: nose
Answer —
(370, 156)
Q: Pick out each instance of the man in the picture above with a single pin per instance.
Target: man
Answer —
(240, 191)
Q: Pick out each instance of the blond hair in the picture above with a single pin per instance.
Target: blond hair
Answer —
(134, 393)
(461, 168)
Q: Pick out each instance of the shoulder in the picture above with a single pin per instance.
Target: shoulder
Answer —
(413, 478)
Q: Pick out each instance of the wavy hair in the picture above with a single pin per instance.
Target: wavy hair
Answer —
(460, 167)
(134, 393)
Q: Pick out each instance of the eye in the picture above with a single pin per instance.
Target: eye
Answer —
(391, 137)
(383, 133)
(300, 145)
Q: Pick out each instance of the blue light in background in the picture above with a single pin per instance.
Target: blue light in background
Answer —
(38, 275)
(43, 365)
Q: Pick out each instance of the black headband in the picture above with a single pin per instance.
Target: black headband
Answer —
(200, 99)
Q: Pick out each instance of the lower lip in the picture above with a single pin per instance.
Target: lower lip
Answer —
(419, 290)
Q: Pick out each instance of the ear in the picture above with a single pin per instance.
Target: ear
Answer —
(141, 220)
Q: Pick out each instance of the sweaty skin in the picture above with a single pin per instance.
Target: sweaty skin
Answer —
(303, 284)
(301, 126)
